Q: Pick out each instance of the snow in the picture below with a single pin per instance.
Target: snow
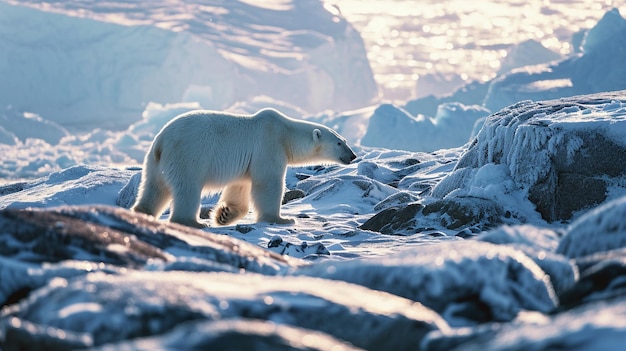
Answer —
(485, 208)
(74, 185)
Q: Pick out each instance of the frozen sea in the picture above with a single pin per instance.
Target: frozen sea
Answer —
(417, 48)
(485, 209)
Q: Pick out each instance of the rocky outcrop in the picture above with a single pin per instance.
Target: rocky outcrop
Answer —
(564, 154)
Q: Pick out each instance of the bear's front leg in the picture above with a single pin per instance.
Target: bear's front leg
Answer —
(267, 194)
(186, 205)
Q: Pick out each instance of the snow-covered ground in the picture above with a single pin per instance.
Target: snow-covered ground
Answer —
(485, 217)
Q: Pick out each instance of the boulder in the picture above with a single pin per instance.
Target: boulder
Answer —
(465, 281)
(563, 155)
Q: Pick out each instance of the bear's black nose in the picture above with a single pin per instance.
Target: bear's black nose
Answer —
(352, 157)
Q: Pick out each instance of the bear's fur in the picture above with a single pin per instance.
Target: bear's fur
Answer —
(244, 156)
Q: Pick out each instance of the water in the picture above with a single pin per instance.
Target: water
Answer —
(463, 40)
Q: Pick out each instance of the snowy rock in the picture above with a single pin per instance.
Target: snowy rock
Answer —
(465, 281)
(599, 325)
(20, 277)
(527, 235)
(352, 190)
(463, 212)
(395, 200)
(394, 128)
(105, 308)
(128, 194)
(540, 245)
(602, 229)
(184, 241)
(565, 155)
(118, 237)
(76, 185)
(380, 173)
(235, 334)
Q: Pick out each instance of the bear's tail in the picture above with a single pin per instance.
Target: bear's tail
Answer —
(157, 150)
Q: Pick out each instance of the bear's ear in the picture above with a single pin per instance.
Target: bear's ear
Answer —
(317, 134)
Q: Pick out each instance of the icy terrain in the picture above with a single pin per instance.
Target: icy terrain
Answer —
(97, 64)
(400, 250)
(486, 216)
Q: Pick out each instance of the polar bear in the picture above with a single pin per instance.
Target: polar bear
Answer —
(244, 156)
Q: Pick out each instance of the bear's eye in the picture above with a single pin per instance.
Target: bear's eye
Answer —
(339, 144)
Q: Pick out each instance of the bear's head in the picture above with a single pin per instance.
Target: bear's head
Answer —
(330, 146)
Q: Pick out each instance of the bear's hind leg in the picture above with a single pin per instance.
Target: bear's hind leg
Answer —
(186, 205)
(234, 203)
(153, 196)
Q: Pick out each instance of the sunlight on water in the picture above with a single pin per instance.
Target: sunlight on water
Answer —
(468, 39)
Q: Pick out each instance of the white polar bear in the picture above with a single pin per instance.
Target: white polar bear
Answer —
(245, 155)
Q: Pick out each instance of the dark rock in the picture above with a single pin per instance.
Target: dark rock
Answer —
(108, 239)
(205, 212)
(465, 234)
(278, 245)
(579, 182)
(244, 229)
(393, 219)
(294, 194)
(275, 242)
(602, 281)
(594, 326)
(302, 176)
(462, 212)
(12, 188)
(436, 234)
(568, 193)
(53, 237)
(92, 232)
